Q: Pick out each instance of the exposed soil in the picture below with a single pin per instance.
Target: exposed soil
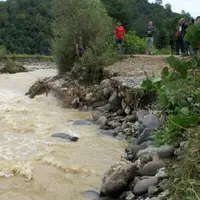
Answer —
(138, 65)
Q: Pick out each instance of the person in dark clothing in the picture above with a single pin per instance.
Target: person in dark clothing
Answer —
(179, 39)
(184, 26)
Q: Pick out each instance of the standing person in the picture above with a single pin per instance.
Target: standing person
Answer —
(149, 42)
(184, 26)
(119, 36)
(179, 39)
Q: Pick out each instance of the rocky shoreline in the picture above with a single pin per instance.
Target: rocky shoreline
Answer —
(125, 111)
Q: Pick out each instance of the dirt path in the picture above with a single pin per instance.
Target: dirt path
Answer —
(138, 64)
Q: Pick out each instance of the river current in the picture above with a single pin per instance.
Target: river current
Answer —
(35, 166)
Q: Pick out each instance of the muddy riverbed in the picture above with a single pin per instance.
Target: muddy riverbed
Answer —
(35, 166)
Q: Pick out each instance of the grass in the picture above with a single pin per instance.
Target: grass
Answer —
(185, 174)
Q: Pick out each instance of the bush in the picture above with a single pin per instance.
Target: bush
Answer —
(193, 34)
(164, 51)
(134, 44)
(85, 22)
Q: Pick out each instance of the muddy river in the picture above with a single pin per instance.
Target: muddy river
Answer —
(35, 166)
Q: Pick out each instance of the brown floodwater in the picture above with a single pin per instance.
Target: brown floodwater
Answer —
(35, 166)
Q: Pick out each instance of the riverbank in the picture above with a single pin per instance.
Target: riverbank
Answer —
(126, 112)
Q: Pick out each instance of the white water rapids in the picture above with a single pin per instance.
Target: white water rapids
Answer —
(35, 166)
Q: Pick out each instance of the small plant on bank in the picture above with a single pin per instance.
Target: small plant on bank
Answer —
(178, 96)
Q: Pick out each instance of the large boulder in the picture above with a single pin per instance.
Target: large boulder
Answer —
(151, 121)
(144, 184)
(117, 179)
(166, 151)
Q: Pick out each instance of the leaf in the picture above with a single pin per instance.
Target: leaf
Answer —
(185, 110)
(156, 79)
(165, 72)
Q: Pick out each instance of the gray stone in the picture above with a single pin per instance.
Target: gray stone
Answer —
(145, 134)
(96, 116)
(166, 151)
(149, 150)
(164, 184)
(65, 136)
(184, 145)
(151, 168)
(143, 185)
(115, 99)
(117, 129)
(151, 121)
(128, 110)
(140, 114)
(141, 128)
(124, 126)
(144, 159)
(130, 118)
(147, 143)
(105, 83)
(152, 191)
(106, 92)
(121, 136)
(113, 124)
(123, 104)
(164, 194)
(136, 125)
(134, 141)
(117, 179)
(153, 198)
(135, 149)
(129, 196)
(81, 123)
(161, 174)
(101, 121)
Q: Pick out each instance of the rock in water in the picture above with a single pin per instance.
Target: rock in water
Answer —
(65, 136)
(81, 123)
(117, 179)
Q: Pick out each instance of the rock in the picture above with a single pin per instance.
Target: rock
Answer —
(96, 116)
(141, 128)
(106, 92)
(65, 136)
(124, 126)
(164, 194)
(130, 118)
(117, 179)
(113, 124)
(115, 99)
(163, 185)
(143, 185)
(184, 145)
(117, 130)
(81, 123)
(151, 121)
(166, 151)
(149, 150)
(145, 158)
(141, 113)
(130, 196)
(136, 126)
(151, 168)
(145, 134)
(161, 174)
(102, 121)
(123, 104)
(135, 149)
(121, 136)
(152, 191)
(75, 102)
(128, 110)
(134, 141)
(153, 198)
(147, 143)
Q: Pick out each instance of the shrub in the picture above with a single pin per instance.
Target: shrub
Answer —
(193, 34)
(86, 22)
(134, 44)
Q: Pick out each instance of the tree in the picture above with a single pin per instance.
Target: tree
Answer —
(85, 24)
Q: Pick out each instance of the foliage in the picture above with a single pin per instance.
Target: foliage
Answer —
(178, 96)
(193, 35)
(134, 44)
(89, 21)
(25, 26)
(185, 173)
(164, 51)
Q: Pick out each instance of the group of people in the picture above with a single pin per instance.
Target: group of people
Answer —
(182, 45)
(119, 33)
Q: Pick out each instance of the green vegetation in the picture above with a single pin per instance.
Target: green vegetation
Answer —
(178, 97)
(87, 25)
